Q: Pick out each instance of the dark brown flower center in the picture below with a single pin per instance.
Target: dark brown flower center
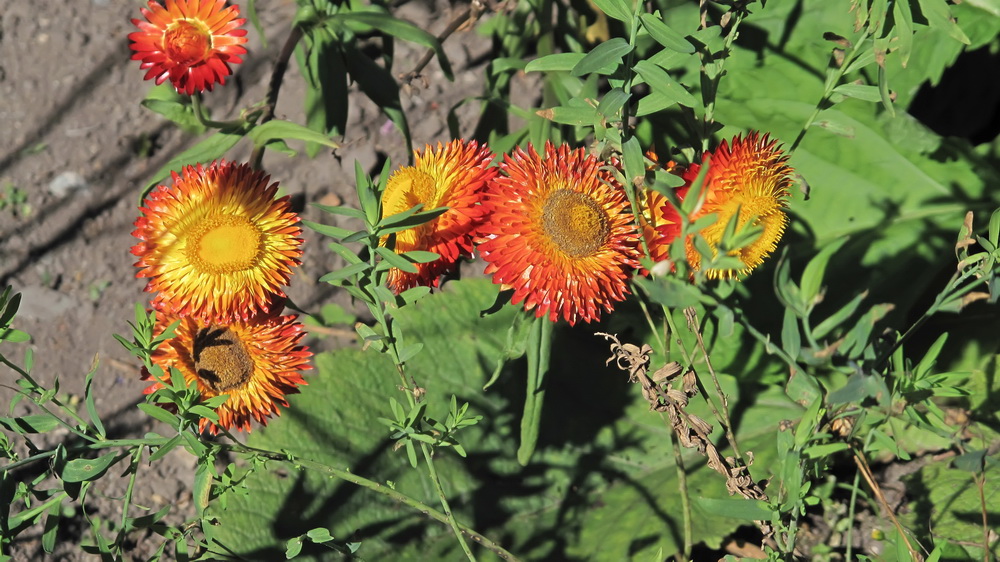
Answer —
(575, 222)
(187, 42)
(221, 360)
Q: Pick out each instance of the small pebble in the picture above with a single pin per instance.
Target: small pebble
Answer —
(66, 183)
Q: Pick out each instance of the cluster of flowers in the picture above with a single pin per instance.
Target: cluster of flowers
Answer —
(217, 247)
(555, 228)
(558, 229)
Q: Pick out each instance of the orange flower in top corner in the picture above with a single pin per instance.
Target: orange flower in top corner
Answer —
(255, 363)
(190, 42)
(217, 245)
(749, 179)
(559, 233)
(453, 176)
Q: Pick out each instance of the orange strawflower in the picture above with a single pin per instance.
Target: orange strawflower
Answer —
(217, 245)
(191, 42)
(560, 233)
(255, 363)
(750, 177)
(659, 222)
(453, 176)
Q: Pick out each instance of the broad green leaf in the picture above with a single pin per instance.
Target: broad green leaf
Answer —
(946, 501)
(939, 16)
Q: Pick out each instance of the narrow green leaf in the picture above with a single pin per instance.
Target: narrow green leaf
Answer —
(395, 260)
(662, 84)
(51, 529)
(604, 58)
(80, 470)
(385, 23)
(36, 423)
(612, 103)
(329, 230)
(345, 211)
(344, 273)
(938, 15)
(665, 35)
(824, 450)
(790, 338)
(635, 165)
(209, 149)
(569, 115)
(539, 346)
(903, 20)
(159, 413)
(280, 130)
(859, 91)
(553, 63)
(812, 276)
(617, 9)
(751, 510)
(927, 361)
(883, 92)
(88, 399)
(838, 318)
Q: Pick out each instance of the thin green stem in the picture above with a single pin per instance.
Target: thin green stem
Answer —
(709, 94)
(136, 457)
(429, 459)
(850, 513)
(206, 121)
(106, 444)
(682, 487)
(274, 86)
(724, 419)
(832, 81)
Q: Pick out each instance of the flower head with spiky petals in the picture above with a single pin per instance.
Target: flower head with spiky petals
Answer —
(658, 221)
(190, 42)
(255, 363)
(216, 244)
(560, 233)
(452, 175)
(748, 179)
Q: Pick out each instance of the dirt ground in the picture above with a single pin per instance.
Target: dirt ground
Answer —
(73, 143)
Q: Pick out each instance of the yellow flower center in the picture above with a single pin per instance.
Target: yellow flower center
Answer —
(221, 360)
(759, 207)
(187, 42)
(407, 188)
(575, 222)
(224, 244)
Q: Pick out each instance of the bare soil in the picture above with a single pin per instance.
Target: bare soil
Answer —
(78, 145)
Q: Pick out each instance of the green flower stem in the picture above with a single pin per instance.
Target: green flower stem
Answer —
(712, 91)
(832, 81)
(274, 86)
(375, 487)
(106, 444)
(682, 487)
(203, 118)
(539, 348)
(134, 468)
(429, 459)
(724, 418)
